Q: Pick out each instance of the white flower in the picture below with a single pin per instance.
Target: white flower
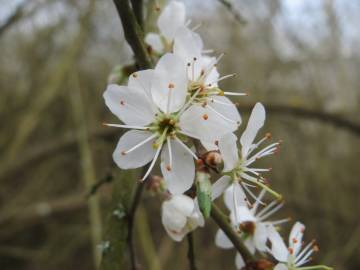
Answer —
(170, 20)
(155, 105)
(151, 104)
(251, 223)
(180, 215)
(293, 256)
(239, 175)
(203, 79)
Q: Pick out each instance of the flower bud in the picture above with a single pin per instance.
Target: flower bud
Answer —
(180, 215)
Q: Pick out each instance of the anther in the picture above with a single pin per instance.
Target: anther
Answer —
(268, 135)
(315, 248)
(216, 142)
(291, 251)
(194, 58)
(122, 102)
(157, 8)
(295, 240)
(188, 64)
(205, 117)
(168, 167)
(202, 72)
(171, 85)
(123, 153)
(134, 75)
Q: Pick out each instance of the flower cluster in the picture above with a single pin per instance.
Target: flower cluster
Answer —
(178, 111)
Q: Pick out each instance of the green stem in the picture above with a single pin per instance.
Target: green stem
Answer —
(315, 267)
(133, 33)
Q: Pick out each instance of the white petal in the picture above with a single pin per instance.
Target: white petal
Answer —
(256, 121)
(130, 105)
(196, 218)
(260, 237)
(249, 243)
(205, 124)
(174, 220)
(245, 215)
(183, 204)
(138, 157)
(229, 151)
(181, 175)
(295, 237)
(229, 196)
(239, 261)
(221, 240)
(187, 44)
(213, 75)
(169, 82)
(278, 248)
(171, 18)
(229, 110)
(281, 266)
(210, 146)
(142, 80)
(220, 186)
(154, 40)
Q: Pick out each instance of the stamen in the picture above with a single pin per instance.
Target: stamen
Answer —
(235, 204)
(252, 194)
(152, 164)
(256, 205)
(170, 153)
(138, 145)
(281, 221)
(171, 87)
(235, 94)
(220, 102)
(222, 78)
(212, 65)
(186, 148)
(188, 104)
(196, 27)
(301, 254)
(126, 126)
(271, 212)
(223, 116)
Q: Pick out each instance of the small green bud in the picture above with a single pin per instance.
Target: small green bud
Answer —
(203, 191)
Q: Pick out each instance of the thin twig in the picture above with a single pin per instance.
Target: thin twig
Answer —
(229, 6)
(191, 252)
(105, 180)
(221, 220)
(133, 33)
(137, 6)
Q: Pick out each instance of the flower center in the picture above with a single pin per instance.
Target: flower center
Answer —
(165, 125)
(248, 227)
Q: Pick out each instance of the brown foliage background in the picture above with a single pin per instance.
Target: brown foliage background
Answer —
(55, 60)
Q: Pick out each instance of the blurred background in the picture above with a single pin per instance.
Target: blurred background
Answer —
(300, 58)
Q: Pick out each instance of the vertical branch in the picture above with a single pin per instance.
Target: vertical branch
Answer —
(133, 33)
(191, 252)
(113, 256)
(138, 8)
